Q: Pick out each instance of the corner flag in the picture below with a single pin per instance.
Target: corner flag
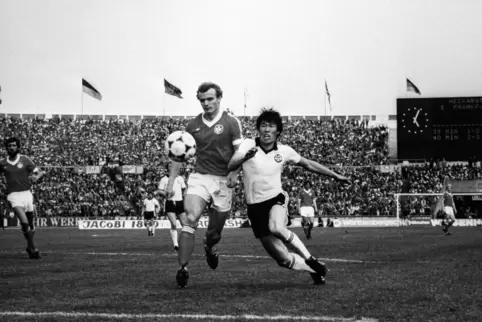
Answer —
(171, 89)
(90, 90)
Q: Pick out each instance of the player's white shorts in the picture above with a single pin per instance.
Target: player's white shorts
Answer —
(449, 212)
(212, 189)
(307, 211)
(22, 199)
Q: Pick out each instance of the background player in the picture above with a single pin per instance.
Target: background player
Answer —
(19, 172)
(449, 210)
(150, 207)
(307, 208)
(217, 134)
(263, 160)
(174, 206)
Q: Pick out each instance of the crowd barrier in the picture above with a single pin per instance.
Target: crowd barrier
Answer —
(135, 223)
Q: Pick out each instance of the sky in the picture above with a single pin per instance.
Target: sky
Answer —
(280, 51)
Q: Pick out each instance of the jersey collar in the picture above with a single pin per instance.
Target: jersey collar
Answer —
(14, 162)
(214, 121)
(275, 146)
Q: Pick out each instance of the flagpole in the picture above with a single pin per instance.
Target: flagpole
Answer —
(325, 104)
(245, 102)
(82, 101)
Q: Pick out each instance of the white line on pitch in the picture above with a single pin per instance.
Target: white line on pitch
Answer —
(183, 316)
(340, 260)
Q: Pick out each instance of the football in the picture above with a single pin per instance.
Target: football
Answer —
(180, 146)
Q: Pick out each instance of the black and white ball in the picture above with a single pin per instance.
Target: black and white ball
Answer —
(180, 146)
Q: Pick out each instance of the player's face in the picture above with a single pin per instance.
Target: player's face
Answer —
(449, 188)
(149, 196)
(268, 132)
(12, 149)
(209, 102)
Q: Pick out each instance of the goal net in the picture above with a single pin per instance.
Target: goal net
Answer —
(422, 207)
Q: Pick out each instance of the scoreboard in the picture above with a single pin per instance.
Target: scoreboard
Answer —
(446, 127)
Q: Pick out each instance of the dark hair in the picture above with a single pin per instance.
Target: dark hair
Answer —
(270, 115)
(307, 181)
(10, 140)
(206, 86)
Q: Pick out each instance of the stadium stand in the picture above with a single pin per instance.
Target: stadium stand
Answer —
(60, 145)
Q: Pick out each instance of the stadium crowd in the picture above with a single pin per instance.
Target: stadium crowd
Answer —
(355, 148)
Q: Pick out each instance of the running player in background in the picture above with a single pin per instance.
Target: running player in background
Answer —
(151, 206)
(19, 172)
(174, 206)
(262, 161)
(217, 134)
(307, 208)
(449, 210)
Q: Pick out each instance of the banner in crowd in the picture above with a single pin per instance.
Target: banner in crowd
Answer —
(459, 222)
(139, 224)
(95, 169)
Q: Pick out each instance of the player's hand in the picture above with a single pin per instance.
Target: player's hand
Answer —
(250, 154)
(232, 179)
(169, 192)
(342, 179)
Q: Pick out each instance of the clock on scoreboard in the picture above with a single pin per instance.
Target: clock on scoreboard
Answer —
(445, 127)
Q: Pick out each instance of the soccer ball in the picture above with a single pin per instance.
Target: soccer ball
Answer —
(180, 146)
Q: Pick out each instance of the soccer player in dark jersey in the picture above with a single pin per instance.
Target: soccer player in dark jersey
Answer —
(19, 172)
(449, 210)
(307, 208)
(218, 135)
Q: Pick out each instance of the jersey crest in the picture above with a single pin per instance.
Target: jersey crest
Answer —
(218, 129)
(278, 157)
(20, 165)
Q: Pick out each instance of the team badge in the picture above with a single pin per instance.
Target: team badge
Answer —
(278, 157)
(20, 165)
(218, 129)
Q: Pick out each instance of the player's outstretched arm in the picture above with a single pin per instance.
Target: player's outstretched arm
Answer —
(314, 166)
(240, 157)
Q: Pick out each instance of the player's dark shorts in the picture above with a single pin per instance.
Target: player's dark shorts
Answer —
(176, 207)
(258, 215)
(148, 215)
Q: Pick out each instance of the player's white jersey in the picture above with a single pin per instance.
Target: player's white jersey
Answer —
(262, 173)
(178, 185)
(151, 205)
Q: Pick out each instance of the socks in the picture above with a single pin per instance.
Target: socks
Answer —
(297, 245)
(186, 244)
(173, 233)
(299, 264)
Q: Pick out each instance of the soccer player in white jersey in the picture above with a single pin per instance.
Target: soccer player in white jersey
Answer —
(218, 135)
(307, 208)
(19, 172)
(149, 209)
(174, 206)
(262, 161)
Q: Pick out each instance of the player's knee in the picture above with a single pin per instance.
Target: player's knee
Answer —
(213, 235)
(276, 230)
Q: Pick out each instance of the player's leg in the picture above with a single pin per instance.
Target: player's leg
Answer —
(153, 226)
(146, 224)
(171, 216)
(218, 214)
(310, 226)
(277, 227)
(304, 224)
(21, 203)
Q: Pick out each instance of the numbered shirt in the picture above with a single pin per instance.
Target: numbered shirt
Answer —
(262, 173)
(150, 204)
(306, 198)
(17, 173)
(215, 141)
(178, 185)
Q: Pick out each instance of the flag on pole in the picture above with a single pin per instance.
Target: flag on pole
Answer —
(328, 94)
(412, 88)
(90, 90)
(171, 89)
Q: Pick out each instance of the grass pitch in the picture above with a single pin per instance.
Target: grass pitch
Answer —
(384, 274)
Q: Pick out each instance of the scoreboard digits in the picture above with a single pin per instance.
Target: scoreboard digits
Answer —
(449, 128)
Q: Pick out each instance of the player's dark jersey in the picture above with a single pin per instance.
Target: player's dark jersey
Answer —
(214, 142)
(17, 173)
(448, 200)
(306, 198)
